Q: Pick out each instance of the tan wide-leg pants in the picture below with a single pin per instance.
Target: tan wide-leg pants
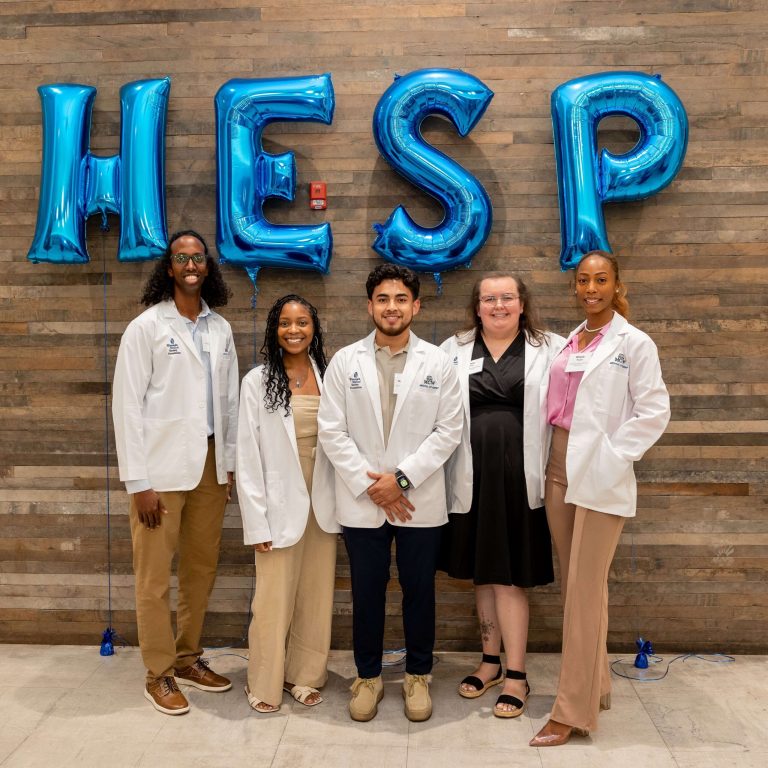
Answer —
(290, 633)
(192, 526)
(585, 542)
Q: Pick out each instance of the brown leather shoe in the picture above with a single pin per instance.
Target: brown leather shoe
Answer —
(201, 676)
(165, 696)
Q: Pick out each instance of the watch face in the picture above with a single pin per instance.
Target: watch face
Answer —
(403, 482)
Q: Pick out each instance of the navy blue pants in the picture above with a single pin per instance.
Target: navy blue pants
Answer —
(416, 551)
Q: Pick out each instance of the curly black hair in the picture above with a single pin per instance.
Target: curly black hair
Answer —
(159, 286)
(392, 272)
(277, 389)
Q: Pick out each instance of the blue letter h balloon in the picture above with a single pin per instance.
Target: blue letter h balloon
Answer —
(585, 180)
(247, 175)
(76, 184)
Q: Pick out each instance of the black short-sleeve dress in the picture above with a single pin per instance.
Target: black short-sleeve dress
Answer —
(501, 540)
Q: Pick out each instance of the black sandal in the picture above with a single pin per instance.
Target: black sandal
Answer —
(507, 698)
(480, 686)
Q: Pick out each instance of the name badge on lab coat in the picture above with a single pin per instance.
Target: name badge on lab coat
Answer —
(397, 386)
(578, 361)
(476, 365)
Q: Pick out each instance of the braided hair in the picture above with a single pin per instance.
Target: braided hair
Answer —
(277, 388)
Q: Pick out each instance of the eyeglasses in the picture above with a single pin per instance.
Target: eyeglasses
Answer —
(506, 299)
(183, 258)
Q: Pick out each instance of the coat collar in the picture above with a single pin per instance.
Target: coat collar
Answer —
(618, 328)
(366, 357)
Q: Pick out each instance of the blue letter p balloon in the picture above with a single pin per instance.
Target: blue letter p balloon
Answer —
(397, 120)
(586, 181)
(247, 175)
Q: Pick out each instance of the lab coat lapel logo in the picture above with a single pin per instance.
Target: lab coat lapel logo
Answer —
(605, 349)
(413, 361)
(181, 333)
(173, 347)
(366, 372)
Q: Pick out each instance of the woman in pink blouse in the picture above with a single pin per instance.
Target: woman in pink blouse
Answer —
(608, 405)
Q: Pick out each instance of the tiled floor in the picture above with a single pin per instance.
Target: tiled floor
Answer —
(68, 706)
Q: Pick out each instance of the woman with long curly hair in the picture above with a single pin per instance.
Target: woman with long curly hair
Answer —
(279, 464)
(608, 405)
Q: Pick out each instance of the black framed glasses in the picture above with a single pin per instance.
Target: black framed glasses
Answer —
(183, 258)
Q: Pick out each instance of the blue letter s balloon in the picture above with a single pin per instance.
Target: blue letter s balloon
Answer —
(397, 119)
(247, 175)
(76, 184)
(585, 181)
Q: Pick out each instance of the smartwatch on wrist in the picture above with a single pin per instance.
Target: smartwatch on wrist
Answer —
(403, 482)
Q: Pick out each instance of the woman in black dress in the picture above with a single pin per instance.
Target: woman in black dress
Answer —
(503, 543)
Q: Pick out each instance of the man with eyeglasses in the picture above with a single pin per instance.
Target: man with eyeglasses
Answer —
(174, 406)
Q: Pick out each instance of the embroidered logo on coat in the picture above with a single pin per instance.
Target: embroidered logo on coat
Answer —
(355, 382)
(173, 347)
(429, 383)
(620, 360)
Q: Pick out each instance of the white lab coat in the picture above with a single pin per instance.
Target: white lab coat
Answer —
(159, 400)
(536, 431)
(273, 497)
(621, 410)
(426, 429)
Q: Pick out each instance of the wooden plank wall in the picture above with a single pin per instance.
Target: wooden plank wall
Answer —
(690, 570)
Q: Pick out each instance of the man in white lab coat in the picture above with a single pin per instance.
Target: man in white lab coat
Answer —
(174, 406)
(390, 417)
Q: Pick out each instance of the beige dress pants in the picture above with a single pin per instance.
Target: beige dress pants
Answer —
(192, 526)
(585, 542)
(290, 633)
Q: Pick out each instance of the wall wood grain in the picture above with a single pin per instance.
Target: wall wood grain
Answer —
(690, 572)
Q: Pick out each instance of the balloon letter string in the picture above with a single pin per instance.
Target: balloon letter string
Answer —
(246, 175)
(75, 184)
(586, 180)
(397, 119)
(107, 637)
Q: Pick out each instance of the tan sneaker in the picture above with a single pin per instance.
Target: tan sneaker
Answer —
(418, 704)
(367, 692)
(201, 676)
(165, 696)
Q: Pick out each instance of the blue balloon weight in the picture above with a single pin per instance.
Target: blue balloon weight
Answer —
(76, 184)
(397, 120)
(585, 180)
(247, 175)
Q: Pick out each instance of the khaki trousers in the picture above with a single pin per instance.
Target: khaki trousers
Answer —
(192, 526)
(585, 542)
(290, 633)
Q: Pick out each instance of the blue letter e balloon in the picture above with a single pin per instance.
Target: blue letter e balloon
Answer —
(585, 180)
(76, 184)
(397, 119)
(247, 175)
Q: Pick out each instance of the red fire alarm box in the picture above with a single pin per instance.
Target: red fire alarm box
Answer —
(318, 199)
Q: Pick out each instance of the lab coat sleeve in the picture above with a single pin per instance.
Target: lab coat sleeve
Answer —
(251, 489)
(445, 437)
(133, 371)
(650, 412)
(233, 384)
(333, 432)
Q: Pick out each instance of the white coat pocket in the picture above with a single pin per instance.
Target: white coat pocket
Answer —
(611, 473)
(275, 490)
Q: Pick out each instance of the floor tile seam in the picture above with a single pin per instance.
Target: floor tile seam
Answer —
(653, 722)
